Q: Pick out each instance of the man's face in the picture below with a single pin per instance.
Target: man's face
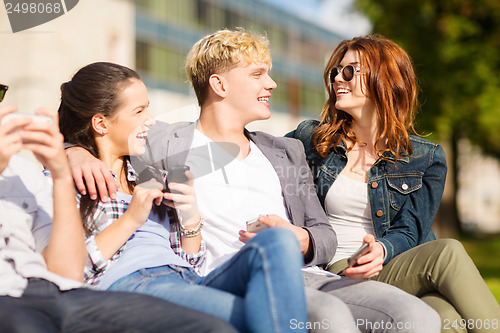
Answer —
(248, 89)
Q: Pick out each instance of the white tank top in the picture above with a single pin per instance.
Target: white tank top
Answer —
(348, 211)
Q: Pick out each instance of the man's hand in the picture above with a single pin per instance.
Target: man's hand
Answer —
(10, 135)
(274, 221)
(370, 264)
(91, 174)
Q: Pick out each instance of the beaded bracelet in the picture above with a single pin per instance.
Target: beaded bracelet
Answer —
(192, 233)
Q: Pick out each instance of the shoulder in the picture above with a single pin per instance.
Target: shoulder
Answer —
(165, 129)
(276, 142)
(25, 168)
(424, 147)
(304, 131)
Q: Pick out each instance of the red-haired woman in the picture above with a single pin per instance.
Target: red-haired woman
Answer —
(381, 185)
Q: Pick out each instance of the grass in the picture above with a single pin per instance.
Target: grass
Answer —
(485, 254)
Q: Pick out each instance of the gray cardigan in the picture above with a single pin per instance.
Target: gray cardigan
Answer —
(170, 144)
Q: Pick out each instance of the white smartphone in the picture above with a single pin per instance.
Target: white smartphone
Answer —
(256, 226)
(360, 252)
(35, 117)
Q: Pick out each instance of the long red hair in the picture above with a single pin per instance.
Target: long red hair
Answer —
(390, 82)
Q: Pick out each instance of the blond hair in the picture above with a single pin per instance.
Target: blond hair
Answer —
(220, 52)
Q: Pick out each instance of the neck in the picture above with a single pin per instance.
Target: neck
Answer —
(219, 128)
(113, 161)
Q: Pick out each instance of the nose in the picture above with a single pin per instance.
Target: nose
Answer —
(150, 120)
(270, 84)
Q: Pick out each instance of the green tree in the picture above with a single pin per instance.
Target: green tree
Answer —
(455, 46)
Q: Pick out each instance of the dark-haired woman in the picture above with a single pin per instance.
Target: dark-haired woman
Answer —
(104, 109)
(382, 186)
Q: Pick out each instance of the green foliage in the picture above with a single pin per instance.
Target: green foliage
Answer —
(455, 46)
(483, 253)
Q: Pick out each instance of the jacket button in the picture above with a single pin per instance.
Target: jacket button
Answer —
(374, 185)
(404, 186)
(380, 213)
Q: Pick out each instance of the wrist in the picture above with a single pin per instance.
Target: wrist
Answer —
(192, 230)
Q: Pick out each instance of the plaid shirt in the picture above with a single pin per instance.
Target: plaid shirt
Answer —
(105, 214)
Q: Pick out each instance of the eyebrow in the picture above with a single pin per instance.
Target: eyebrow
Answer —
(351, 63)
(142, 106)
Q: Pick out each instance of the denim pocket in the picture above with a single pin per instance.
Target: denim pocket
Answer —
(401, 186)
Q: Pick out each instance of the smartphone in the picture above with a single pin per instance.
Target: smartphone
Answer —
(35, 117)
(256, 226)
(175, 174)
(360, 252)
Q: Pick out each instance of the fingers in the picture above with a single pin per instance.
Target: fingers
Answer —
(98, 180)
(245, 236)
(273, 221)
(78, 179)
(6, 109)
(369, 239)
(361, 273)
(186, 189)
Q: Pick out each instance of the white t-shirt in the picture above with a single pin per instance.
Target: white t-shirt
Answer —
(230, 195)
(26, 208)
(348, 211)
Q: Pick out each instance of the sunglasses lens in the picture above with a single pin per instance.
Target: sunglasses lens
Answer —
(348, 72)
(3, 90)
(333, 74)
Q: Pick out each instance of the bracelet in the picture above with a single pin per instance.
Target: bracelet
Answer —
(192, 233)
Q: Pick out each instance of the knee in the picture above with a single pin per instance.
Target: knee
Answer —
(281, 238)
(420, 317)
(281, 242)
(451, 249)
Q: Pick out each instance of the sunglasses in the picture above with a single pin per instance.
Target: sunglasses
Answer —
(3, 91)
(347, 72)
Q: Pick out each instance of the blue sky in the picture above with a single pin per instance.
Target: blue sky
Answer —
(335, 15)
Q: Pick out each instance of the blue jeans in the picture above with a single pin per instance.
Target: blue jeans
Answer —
(43, 308)
(260, 289)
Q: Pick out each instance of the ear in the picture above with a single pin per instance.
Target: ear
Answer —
(216, 83)
(99, 124)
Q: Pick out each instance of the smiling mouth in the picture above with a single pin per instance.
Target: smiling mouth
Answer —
(342, 91)
(142, 135)
(263, 99)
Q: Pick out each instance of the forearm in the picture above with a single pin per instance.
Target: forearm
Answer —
(65, 254)
(111, 239)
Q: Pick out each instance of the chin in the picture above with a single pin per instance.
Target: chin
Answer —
(134, 151)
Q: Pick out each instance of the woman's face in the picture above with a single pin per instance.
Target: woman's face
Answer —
(351, 95)
(127, 129)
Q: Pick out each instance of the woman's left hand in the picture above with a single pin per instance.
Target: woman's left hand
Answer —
(369, 264)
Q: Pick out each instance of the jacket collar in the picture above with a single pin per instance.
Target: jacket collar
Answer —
(388, 155)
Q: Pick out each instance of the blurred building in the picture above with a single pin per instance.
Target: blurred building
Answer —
(478, 196)
(167, 29)
(154, 36)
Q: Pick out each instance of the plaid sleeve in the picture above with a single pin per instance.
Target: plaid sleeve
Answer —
(96, 265)
(195, 259)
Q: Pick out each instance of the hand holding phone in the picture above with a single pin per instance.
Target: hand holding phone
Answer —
(175, 174)
(255, 225)
(351, 261)
(35, 117)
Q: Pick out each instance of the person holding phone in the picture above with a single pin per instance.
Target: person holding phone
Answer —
(42, 250)
(381, 185)
(104, 108)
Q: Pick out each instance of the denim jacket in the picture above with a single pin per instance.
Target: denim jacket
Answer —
(403, 199)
